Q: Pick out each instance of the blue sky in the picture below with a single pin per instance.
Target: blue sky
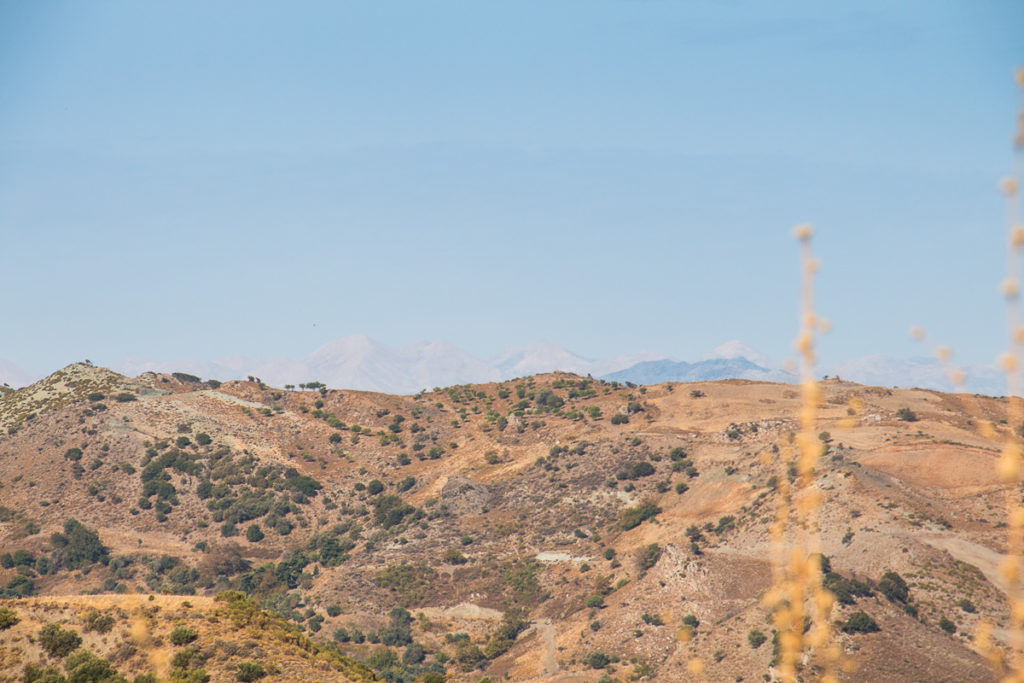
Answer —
(194, 180)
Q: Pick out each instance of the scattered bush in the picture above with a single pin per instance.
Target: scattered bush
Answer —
(859, 622)
(756, 638)
(947, 625)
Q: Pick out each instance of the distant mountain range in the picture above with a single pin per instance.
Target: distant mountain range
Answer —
(359, 362)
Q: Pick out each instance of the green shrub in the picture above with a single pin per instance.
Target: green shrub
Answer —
(374, 487)
(691, 621)
(468, 656)
(254, 534)
(382, 658)
(453, 556)
(947, 625)
(595, 601)
(390, 510)
(38, 674)
(756, 638)
(846, 590)
(598, 660)
(619, 419)
(100, 623)
(859, 622)
(635, 516)
(725, 524)
(8, 618)
(203, 439)
(414, 654)
(906, 414)
(634, 470)
(893, 587)
(250, 671)
(85, 667)
(648, 557)
(58, 642)
(183, 635)
(967, 606)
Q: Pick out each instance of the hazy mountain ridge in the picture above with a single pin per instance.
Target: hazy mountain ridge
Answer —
(657, 372)
(360, 362)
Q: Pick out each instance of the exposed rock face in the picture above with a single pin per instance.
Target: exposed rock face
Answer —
(466, 496)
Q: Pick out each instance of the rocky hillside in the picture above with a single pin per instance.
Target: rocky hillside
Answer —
(547, 528)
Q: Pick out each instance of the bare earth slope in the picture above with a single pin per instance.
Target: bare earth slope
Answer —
(548, 528)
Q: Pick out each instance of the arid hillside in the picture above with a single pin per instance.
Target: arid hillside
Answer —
(552, 528)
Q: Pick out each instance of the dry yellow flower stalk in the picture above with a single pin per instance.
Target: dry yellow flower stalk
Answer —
(1011, 664)
(797, 595)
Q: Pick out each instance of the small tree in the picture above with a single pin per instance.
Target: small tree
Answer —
(906, 414)
(756, 638)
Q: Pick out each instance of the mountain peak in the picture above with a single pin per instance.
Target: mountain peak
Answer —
(736, 349)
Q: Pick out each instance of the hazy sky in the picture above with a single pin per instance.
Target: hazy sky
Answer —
(196, 179)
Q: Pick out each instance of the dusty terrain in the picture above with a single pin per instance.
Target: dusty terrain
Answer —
(488, 530)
